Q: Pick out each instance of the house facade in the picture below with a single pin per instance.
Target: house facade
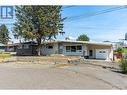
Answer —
(93, 50)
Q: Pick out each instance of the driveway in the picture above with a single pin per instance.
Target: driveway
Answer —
(37, 76)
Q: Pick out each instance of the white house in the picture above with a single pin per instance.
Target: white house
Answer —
(93, 50)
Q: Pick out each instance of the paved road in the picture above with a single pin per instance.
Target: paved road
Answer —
(35, 76)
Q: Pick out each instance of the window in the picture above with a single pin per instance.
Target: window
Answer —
(68, 48)
(79, 47)
(104, 52)
(26, 46)
(100, 51)
(73, 48)
(50, 47)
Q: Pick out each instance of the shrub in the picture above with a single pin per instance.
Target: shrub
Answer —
(120, 50)
(123, 66)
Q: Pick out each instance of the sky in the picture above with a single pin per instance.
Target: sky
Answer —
(110, 26)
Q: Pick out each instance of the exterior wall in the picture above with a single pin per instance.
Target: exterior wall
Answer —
(60, 48)
(46, 51)
(85, 50)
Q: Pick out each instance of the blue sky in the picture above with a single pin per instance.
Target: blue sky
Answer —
(110, 26)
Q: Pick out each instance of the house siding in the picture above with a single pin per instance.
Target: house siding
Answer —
(46, 51)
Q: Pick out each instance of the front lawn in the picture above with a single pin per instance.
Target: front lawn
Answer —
(5, 55)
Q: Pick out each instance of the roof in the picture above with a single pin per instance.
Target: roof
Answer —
(82, 42)
(65, 41)
(16, 44)
(30, 42)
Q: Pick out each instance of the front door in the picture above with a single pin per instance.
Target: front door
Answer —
(91, 53)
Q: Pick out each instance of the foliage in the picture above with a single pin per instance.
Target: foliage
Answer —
(83, 37)
(38, 23)
(4, 34)
(120, 50)
(124, 66)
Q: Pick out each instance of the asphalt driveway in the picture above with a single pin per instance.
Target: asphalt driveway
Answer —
(37, 76)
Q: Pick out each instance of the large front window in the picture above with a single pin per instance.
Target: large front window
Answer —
(74, 48)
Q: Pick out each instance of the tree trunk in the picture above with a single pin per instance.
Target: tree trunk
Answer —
(39, 51)
(39, 46)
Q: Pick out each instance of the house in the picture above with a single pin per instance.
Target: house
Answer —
(11, 48)
(26, 48)
(87, 49)
(93, 50)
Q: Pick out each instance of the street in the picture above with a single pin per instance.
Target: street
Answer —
(49, 76)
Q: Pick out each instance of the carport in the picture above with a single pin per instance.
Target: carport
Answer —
(100, 51)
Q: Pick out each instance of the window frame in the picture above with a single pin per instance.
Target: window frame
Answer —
(74, 48)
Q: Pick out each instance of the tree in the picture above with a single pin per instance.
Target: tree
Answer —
(38, 23)
(83, 38)
(4, 34)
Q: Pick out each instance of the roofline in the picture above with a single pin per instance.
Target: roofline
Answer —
(82, 42)
(68, 41)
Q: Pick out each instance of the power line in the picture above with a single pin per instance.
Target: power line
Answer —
(97, 28)
(97, 13)
(68, 7)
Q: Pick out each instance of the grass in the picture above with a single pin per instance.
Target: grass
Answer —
(5, 55)
(58, 56)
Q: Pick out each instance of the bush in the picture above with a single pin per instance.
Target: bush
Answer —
(120, 50)
(124, 66)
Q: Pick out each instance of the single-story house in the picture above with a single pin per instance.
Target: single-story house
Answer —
(88, 49)
(26, 48)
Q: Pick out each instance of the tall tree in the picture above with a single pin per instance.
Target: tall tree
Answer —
(38, 23)
(4, 34)
(83, 37)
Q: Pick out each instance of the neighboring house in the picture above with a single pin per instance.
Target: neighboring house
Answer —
(2, 48)
(26, 48)
(94, 50)
(11, 47)
(118, 44)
